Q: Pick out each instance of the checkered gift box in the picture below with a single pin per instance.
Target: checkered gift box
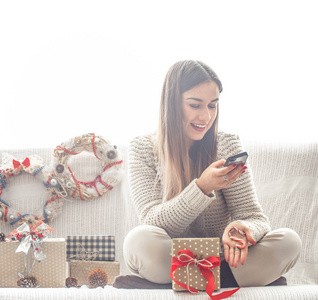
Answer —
(90, 247)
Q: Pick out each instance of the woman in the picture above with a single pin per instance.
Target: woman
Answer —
(181, 188)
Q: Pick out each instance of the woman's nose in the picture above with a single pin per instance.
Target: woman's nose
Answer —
(205, 115)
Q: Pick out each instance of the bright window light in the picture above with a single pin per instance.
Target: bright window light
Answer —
(72, 67)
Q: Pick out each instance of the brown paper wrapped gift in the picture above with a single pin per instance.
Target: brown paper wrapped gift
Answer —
(80, 270)
(189, 274)
(50, 272)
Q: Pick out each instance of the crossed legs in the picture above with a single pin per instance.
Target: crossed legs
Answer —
(147, 254)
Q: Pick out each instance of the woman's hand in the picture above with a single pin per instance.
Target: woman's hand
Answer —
(232, 254)
(216, 178)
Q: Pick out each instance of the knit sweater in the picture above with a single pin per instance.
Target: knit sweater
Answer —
(192, 213)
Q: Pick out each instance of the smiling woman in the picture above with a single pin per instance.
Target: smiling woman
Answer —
(182, 188)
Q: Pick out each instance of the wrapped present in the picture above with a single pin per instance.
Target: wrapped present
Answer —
(90, 247)
(81, 269)
(196, 266)
(205, 254)
(49, 272)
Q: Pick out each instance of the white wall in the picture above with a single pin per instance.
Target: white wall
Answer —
(71, 67)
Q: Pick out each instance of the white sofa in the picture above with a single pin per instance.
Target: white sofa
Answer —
(286, 178)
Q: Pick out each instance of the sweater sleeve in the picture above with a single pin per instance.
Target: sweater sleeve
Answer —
(240, 196)
(174, 215)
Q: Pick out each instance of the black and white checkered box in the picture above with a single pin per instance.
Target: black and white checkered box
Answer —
(90, 247)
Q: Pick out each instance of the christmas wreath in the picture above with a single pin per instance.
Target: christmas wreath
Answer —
(31, 165)
(103, 150)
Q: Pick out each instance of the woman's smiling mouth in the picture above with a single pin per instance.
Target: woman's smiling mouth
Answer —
(198, 127)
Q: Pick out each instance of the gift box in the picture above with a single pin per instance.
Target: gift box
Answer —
(90, 247)
(191, 260)
(50, 272)
(80, 270)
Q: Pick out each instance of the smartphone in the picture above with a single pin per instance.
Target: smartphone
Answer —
(237, 159)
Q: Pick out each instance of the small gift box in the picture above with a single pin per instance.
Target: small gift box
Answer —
(90, 247)
(195, 264)
(49, 272)
(80, 270)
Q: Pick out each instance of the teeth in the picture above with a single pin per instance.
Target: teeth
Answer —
(198, 126)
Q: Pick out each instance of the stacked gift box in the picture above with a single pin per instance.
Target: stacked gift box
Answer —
(86, 253)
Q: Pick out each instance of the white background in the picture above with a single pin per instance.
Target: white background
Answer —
(71, 67)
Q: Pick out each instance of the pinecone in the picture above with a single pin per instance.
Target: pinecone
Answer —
(71, 282)
(198, 256)
(97, 277)
(2, 237)
(27, 282)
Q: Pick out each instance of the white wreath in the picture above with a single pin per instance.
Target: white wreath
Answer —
(64, 177)
(31, 165)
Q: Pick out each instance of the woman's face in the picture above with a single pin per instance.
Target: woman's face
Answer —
(199, 107)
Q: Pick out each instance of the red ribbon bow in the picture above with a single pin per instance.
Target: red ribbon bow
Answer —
(17, 164)
(187, 258)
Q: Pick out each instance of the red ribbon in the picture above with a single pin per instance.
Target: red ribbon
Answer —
(17, 164)
(187, 258)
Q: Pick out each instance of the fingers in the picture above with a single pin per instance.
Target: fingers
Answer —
(217, 177)
(249, 236)
(219, 163)
(232, 175)
(239, 170)
(236, 256)
(244, 252)
(234, 253)
(226, 253)
(225, 170)
(236, 171)
(232, 256)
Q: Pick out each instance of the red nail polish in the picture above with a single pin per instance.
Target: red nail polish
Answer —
(245, 168)
(242, 165)
(234, 165)
(243, 172)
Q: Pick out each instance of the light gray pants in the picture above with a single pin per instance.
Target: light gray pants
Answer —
(147, 254)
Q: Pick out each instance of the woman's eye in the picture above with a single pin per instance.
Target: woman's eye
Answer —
(210, 106)
(194, 105)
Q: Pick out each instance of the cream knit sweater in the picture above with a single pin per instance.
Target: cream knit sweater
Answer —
(192, 213)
